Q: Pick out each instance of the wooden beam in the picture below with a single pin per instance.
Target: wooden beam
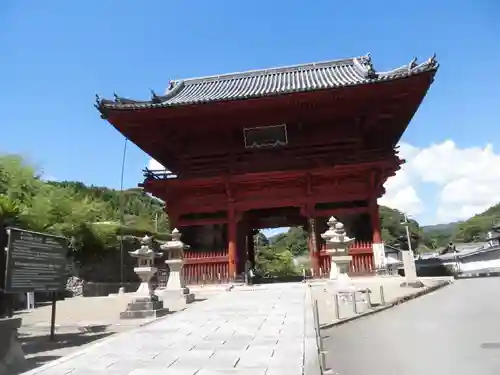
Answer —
(182, 222)
(340, 211)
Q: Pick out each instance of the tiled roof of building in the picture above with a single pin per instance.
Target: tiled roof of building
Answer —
(267, 82)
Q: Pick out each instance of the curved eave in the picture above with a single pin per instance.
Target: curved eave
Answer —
(363, 77)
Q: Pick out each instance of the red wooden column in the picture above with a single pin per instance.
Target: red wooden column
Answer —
(375, 219)
(378, 245)
(232, 241)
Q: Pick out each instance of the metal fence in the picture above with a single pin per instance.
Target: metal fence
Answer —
(319, 339)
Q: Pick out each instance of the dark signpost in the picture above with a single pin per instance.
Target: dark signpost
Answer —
(36, 262)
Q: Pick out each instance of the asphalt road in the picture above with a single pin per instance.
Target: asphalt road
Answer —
(453, 331)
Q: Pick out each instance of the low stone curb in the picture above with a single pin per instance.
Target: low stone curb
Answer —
(398, 301)
(478, 275)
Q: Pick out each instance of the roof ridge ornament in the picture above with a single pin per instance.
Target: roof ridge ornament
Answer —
(117, 98)
(365, 66)
(155, 98)
(372, 73)
(412, 64)
(98, 101)
(432, 60)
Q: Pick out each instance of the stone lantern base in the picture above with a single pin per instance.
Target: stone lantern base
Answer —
(339, 279)
(176, 287)
(174, 295)
(143, 308)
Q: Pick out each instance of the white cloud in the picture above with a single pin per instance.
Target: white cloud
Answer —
(466, 181)
(155, 166)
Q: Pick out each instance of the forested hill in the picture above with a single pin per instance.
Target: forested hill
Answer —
(476, 228)
(448, 228)
(90, 216)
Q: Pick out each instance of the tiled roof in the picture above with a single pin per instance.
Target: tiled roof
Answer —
(266, 82)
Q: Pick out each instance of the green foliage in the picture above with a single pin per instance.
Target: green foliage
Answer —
(393, 233)
(90, 216)
(274, 261)
(275, 256)
(471, 230)
(476, 228)
(294, 241)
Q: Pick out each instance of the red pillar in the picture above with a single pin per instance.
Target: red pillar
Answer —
(377, 243)
(232, 237)
(375, 219)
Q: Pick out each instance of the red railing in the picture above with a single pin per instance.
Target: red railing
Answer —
(206, 267)
(212, 267)
(361, 264)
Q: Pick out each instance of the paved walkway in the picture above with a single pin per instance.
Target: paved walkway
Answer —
(79, 322)
(251, 332)
(455, 330)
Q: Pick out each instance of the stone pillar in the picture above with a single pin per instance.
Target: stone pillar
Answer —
(12, 360)
(377, 243)
(409, 261)
(232, 237)
(176, 284)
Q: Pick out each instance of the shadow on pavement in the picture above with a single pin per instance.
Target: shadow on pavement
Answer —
(42, 343)
(39, 360)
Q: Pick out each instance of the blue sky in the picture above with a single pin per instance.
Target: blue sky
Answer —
(56, 55)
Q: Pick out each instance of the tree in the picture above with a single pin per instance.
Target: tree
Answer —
(394, 233)
(273, 260)
(294, 240)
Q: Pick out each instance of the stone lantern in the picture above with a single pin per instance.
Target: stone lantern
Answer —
(174, 250)
(146, 303)
(145, 265)
(337, 246)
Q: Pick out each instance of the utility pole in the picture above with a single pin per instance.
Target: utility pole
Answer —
(406, 224)
(122, 219)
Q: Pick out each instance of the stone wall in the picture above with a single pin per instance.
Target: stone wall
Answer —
(101, 277)
(91, 289)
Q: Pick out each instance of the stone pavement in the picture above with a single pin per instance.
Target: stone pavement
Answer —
(265, 331)
(79, 322)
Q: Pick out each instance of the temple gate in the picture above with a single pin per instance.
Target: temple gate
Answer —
(277, 147)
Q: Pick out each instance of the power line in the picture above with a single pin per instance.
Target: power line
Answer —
(122, 211)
